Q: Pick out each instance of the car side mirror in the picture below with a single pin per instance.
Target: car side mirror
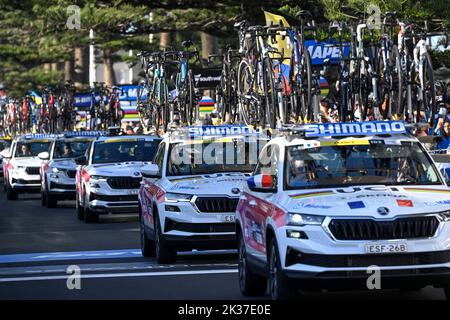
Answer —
(150, 171)
(44, 155)
(262, 183)
(6, 154)
(81, 161)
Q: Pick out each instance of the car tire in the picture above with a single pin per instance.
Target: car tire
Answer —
(79, 208)
(279, 286)
(164, 252)
(250, 283)
(10, 193)
(90, 216)
(51, 201)
(147, 245)
(43, 199)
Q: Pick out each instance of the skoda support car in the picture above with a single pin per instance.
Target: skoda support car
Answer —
(190, 191)
(21, 164)
(108, 178)
(328, 201)
(58, 168)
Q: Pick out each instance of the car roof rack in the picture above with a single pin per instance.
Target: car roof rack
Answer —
(205, 131)
(349, 129)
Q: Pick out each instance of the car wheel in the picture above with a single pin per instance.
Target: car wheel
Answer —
(164, 253)
(147, 245)
(79, 208)
(279, 286)
(250, 283)
(90, 216)
(43, 199)
(51, 201)
(10, 193)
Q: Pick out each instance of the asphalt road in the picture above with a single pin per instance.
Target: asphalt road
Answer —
(37, 245)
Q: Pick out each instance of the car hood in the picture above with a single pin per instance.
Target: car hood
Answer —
(124, 169)
(27, 162)
(371, 201)
(229, 184)
(68, 164)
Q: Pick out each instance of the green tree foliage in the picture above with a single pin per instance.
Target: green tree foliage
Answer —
(33, 33)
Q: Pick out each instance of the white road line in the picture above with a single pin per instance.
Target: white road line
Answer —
(123, 275)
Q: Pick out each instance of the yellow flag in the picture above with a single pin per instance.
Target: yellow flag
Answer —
(281, 44)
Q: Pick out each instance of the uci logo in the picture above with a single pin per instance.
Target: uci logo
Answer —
(383, 211)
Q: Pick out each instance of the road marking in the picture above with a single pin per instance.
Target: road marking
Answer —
(86, 255)
(123, 275)
(78, 255)
(108, 267)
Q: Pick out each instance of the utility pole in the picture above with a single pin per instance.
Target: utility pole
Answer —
(92, 67)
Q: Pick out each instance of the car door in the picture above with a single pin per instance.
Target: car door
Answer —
(150, 188)
(258, 206)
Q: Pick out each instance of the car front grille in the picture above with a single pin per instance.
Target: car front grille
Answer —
(367, 229)
(71, 173)
(360, 260)
(70, 187)
(216, 204)
(32, 170)
(113, 198)
(124, 182)
(198, 227)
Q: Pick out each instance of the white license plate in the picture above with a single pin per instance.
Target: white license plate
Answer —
(386, 248)
(229, 218)
(133, 192)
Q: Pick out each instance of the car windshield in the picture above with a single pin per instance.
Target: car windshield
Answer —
(124, 150)
(343, 165)
(70, 149)
(4, 144)
(31, 148)
(213, 156)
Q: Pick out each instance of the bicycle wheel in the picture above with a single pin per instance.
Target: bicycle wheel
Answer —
(247, 109)
(191, 104)
(429, 96)
(164, 105)
(306, 85)
(270, 95)
(398, 84)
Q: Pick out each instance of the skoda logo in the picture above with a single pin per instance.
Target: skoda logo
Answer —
(235, 190)
(383, 211)
(136, 174)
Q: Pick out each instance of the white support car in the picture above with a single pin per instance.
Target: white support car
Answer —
(108, 178)
(190, 191)
(21, 164)
(58, 168)
(327, 202)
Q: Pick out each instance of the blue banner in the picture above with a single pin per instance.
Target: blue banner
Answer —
(320, 51)
(83, 100)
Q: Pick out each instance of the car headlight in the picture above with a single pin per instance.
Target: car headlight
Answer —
(18, 169)
(178, 197)
(300, 219)
(98, 178)
(445, 215)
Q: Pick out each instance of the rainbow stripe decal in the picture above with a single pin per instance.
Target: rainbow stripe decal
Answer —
(427, 190)
(312, 194)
